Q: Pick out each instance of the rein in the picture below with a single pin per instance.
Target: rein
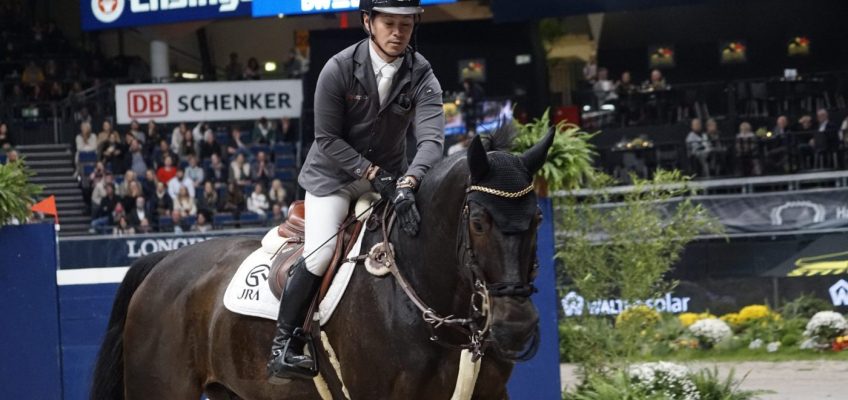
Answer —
(482, 292)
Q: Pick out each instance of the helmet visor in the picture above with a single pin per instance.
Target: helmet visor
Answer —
(399, 10)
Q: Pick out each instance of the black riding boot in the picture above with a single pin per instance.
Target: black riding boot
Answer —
(287, 358)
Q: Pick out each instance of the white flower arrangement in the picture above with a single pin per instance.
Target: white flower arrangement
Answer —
(808, 344)
(756, 344)
(824, 327)
(670, 380)
(773, 347)
(711, 331)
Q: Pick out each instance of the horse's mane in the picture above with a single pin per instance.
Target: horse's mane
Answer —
(502, 137)
(498, 140)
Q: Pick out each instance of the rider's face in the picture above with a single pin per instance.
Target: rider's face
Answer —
(392, 32)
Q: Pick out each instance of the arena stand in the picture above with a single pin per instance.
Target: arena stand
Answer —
(51, 88)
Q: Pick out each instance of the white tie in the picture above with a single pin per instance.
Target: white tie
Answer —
(385, 82)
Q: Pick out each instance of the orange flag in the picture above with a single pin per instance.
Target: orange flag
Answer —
(47, 206)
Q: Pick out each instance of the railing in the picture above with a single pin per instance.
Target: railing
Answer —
(793, 153)
(768, 96)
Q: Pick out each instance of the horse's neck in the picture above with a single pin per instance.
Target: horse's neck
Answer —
(431, 261)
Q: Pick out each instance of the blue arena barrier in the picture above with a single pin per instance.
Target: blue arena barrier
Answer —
(539, 377)
(30, 366)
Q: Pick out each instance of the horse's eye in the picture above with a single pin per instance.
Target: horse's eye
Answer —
(477, 227)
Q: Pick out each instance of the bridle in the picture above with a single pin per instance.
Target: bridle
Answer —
(477, 326)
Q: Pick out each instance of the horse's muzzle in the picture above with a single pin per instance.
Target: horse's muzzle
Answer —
(514, 324)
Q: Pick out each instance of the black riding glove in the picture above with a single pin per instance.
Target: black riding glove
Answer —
(384, 183)
(407, 212)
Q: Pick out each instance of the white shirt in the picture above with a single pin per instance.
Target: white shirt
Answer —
(174, 187)
(378, 63)
(258, 203)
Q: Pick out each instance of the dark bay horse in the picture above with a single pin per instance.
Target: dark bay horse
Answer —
(170, 337)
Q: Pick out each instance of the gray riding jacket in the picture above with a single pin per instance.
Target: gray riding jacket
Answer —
(352, 130)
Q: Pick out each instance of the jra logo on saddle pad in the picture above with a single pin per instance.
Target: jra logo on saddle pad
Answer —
(249, 293)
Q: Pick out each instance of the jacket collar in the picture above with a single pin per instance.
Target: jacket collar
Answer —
(365, 73)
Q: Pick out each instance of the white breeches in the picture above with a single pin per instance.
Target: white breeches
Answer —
(324, 216)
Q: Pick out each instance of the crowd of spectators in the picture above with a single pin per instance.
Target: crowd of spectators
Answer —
(633, 103)
(174, 180)
(812, 143)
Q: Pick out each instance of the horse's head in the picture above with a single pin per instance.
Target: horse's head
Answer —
(502, 216)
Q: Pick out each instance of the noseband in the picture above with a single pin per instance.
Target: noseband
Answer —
(481, 293)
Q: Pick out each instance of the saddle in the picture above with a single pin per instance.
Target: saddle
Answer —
(292, 231)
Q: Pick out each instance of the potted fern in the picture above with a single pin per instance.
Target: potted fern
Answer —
(569, 162)
(16, 193)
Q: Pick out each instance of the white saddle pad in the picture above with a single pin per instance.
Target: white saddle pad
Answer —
(249, 293)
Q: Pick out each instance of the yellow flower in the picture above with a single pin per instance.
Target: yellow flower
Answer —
(688, 319)
(732, 319)
(755, 313)
(705, 315)
(641, 315)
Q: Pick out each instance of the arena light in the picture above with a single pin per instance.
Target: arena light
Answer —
(189, 75)
(270, 66)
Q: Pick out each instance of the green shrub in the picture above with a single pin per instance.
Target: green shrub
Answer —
(804, 307)
(621, 385)
(16, 193)
(569, 162)
(711, 387)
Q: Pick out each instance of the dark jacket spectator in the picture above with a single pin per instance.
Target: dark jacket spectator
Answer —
(208, 199)
(217, 172)
(263, 132)
(107, 205)
(113, 153)
(209, 146)
(233, 201)
(5, 137)
(161, 153)
(161, 203)
(140, 212)
(234, 69)
(262, 170)
(251, 71)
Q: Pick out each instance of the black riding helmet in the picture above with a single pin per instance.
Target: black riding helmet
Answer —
(397, 7)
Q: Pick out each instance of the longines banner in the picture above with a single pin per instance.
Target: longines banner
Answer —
(122, 251)
(209, 101)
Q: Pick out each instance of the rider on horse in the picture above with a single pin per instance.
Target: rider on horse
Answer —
(366, 98)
